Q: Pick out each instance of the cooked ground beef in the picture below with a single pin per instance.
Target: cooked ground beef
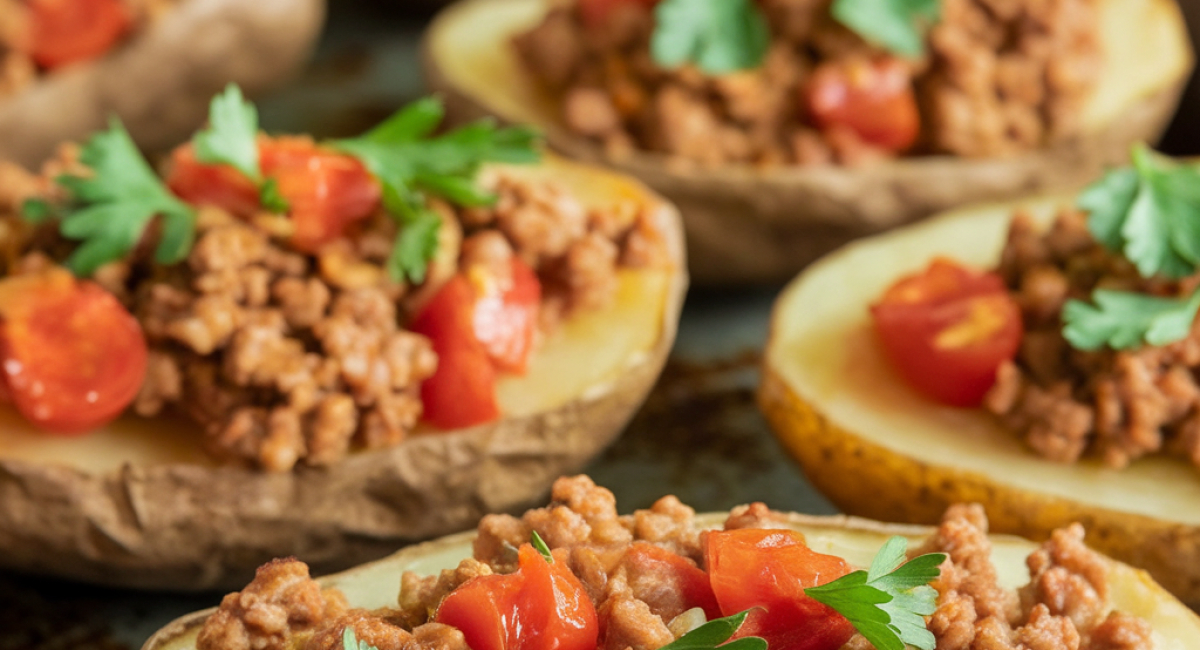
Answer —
(1064, 607)
(284, 357)
(18, 70)
(1066, 403)
(999, 76)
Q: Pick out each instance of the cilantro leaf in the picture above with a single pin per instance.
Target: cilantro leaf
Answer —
(116, 202)
(896, 25)
(716, 632)
(718, 36)
(411, 165)
(231, 137)
(1122, 319)
(1150, 213)
(350, 641)
(888, 603)
(540, 545)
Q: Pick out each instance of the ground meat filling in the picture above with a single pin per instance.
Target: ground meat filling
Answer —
(1064, 607)
(1066, 403)
(999, 76)
(287, 358)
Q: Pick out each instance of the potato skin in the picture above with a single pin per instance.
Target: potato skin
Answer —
(183, 527)
(757, 226)
(160, 82)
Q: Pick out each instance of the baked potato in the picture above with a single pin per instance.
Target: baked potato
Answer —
(138, 503)
(841, 410)
(160, 79)
(757, 225)
(373, 588)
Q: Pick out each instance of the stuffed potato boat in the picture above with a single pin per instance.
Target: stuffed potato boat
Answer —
(642, 575)
(749, 223)
(159, 75)
(234, 458)
(844, 406)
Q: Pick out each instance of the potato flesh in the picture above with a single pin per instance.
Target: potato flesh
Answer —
(588, 353)
(1145, 49)
(824, 349)
(374, 585)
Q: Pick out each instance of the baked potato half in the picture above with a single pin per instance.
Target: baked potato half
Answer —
(139, 503)
(160, 80)
(760, 225)
(841, 410)
(374, 585)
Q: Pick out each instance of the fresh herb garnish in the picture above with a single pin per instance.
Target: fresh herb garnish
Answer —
(37, 211)
(718, 36)
(351, 642)
(231, 138)
(112, 206)
(540, 545)
(888, 603)
(1123, 319)
(716, 632)
(896, 25)
(411, 165)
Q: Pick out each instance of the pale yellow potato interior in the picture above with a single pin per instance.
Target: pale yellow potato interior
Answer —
(376, 584)
(1145, 49)
(823, 347)
(584, 357)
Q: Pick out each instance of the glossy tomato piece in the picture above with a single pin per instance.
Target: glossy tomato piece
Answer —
(70, 31)
(326, 191)
(505, 320)
(72, 356)
(542, 606)
(676, 574)
(595, 13)
(767, 571)
(875, 99)
(947, 329)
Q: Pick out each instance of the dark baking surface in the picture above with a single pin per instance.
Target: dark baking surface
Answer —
(699, 436)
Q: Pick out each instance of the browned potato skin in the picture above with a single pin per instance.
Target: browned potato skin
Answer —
(753, 226)
(161, 81)
(192, 527)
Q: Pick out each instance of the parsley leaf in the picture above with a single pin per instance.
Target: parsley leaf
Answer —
(540, 545)
(888, 603)
(410, 164)
(115, 203)
(37, 211)
(231, 137)
(351, 642)
(1122, 319)
(715, 632)
(1150, 213)
(896, 25)
(718, 36)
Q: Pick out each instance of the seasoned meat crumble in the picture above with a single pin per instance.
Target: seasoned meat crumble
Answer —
(1064, 607)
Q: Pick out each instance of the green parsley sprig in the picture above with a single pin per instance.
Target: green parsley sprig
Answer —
(717, 36)
(887, 604)
(231, 138)
(111, 207)
(715, 633)
(895, 25)
(1150, 214)
(540, 545)
(350, 641)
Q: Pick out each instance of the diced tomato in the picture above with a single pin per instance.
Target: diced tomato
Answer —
(70, 31)
(72, 356)
(947, 329)
(476, 327)
(595, 13)
(326, 191)
(676, 574)
(767, 571)
(875, 99)
(542, 606)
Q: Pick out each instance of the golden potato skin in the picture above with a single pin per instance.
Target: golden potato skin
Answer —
(161, 81)
(752, 226)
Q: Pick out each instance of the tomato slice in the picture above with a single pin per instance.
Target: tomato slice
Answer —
(326, 191)
(506, 321)
(767, 571)
(70, 31)
(73, 358)
(947, 329)
(542, 606)
(595, 13)
(875, 99)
